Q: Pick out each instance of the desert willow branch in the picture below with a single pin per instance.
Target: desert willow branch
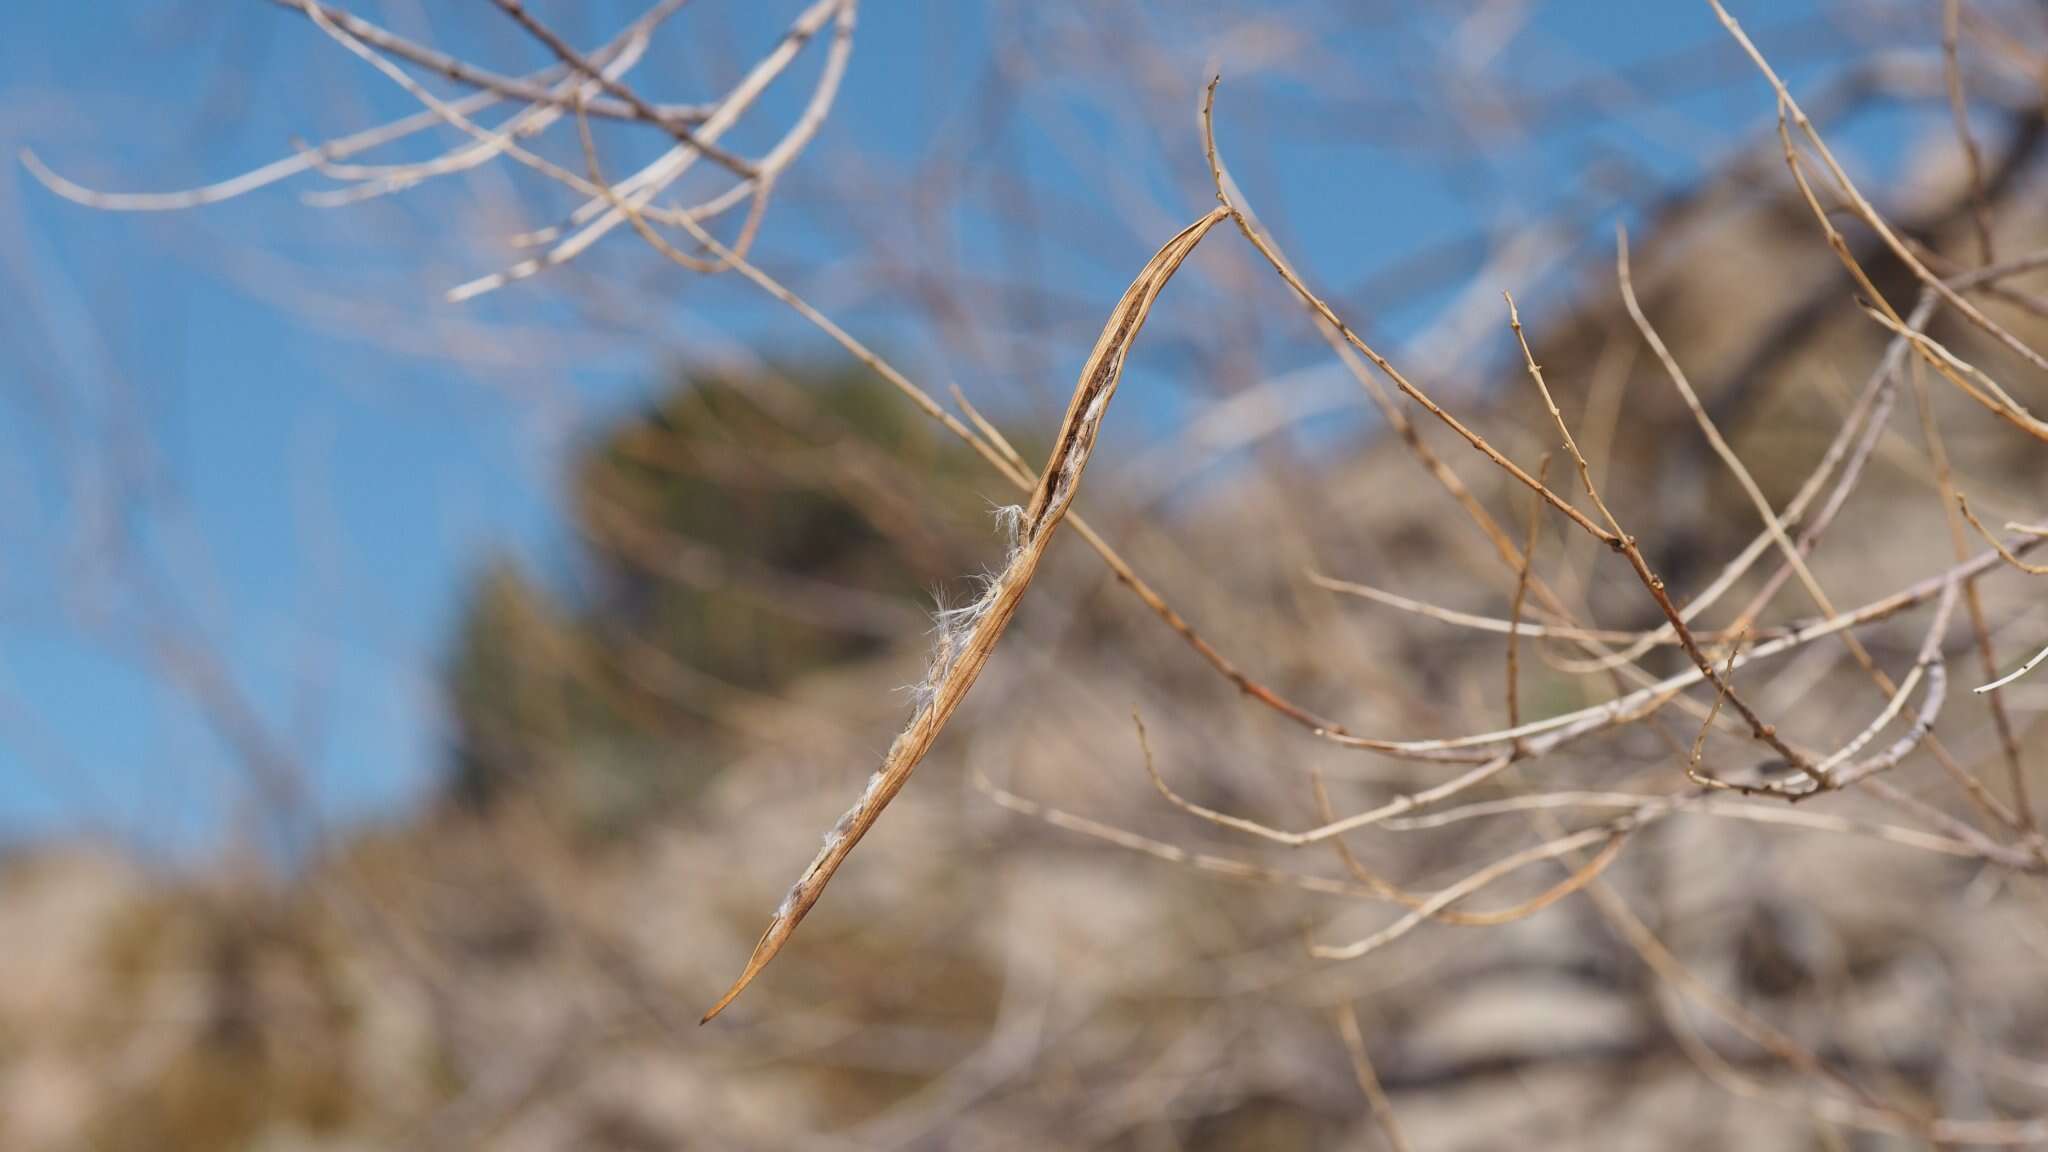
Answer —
(538, 89)
(2015, 674)
(603, 213)
(1328, 321)
(968, 635)
(1851, 448)
(1862, 207)
(370, 181)
(527, 89)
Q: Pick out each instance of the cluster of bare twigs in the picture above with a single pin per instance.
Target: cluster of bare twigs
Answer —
(1742, 752)
(583, 84)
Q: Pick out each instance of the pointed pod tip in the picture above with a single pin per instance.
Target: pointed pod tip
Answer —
(755, 963)
(764, 951)
(731, 994)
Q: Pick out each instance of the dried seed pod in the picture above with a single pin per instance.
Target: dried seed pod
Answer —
(968, 635)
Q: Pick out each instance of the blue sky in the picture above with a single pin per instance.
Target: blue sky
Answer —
(257, 427)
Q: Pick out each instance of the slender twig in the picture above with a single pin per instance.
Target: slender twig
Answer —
(524, 89)
(1954, 509)
(1865, 210)
(2006, 554)
(1368, 1080)
(1959, 114)
(1514, 695)
(1286, 271)
(1626, 544)
(684, 133)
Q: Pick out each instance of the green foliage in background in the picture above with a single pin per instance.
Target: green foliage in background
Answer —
(738, 534)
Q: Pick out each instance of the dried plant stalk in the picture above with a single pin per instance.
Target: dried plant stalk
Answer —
(968, 635)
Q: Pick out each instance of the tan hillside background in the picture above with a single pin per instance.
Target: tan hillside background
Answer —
(1319, 768)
